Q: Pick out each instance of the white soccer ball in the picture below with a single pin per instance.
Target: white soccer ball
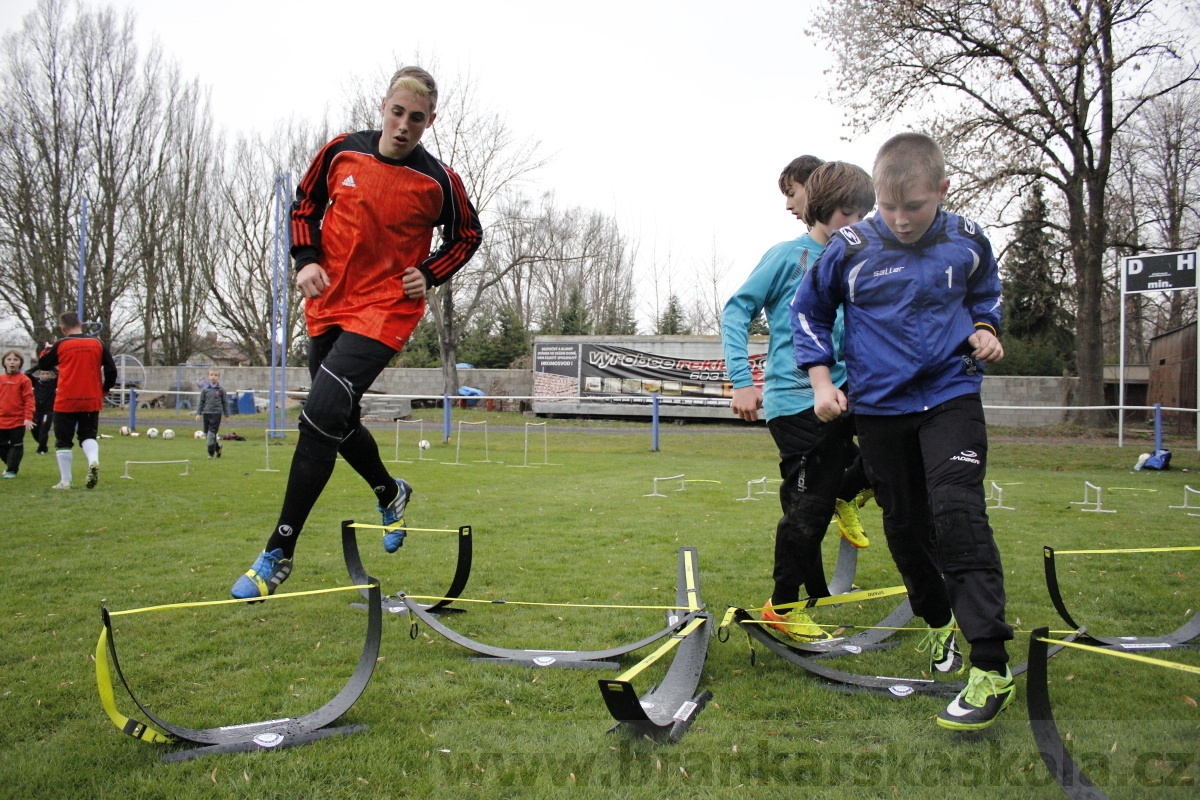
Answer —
(168, 434)
(124, 430)
(198, 435)
(423, 444)
(152, 433)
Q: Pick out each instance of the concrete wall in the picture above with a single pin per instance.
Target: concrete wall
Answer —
(1026, 391)
(997, 391)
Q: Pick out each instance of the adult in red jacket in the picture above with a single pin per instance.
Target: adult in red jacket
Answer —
(86, 371)
(362, 231)
(16, 412)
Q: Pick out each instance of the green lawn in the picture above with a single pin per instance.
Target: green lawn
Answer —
(578, 532)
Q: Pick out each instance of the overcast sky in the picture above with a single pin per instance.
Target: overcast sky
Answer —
(675, 117)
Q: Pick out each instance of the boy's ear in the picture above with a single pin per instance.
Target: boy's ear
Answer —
(945, 187)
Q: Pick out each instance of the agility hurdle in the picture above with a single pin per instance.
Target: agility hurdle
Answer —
(750, 489)
(267, 446)
(655, 493)
(420, 438)
(995, 493)
(1188, 492)
(1086, 502)
(545, 462)
(457, 462)
(187, 465)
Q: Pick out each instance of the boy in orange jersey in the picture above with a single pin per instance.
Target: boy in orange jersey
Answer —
(86, 371)
(362, 227)
(16, 412)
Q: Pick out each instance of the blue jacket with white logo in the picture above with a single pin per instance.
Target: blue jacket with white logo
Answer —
(909, 309)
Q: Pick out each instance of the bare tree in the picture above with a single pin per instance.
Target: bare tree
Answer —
(1023, 92)
(43, 167)
(241, 282)
(126, 123)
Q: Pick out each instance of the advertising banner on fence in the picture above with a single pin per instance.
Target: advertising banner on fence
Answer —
(604, 373)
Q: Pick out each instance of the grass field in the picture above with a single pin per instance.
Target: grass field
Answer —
(578, 532)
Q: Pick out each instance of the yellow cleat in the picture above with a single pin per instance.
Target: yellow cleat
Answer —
(795, 624)
(846, 514)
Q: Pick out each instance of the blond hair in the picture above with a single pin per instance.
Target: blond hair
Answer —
(837, 185)
(417, 81)
(909, 160)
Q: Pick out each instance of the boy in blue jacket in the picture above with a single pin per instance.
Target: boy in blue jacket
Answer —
(813, 456)
(920, 291)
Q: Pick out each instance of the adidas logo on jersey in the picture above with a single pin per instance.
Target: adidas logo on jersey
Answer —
(349, 181)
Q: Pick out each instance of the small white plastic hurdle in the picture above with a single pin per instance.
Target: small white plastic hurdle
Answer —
(1188, 492)
(655, 493)
(545, 462)
(267, 447)
(995, 493)
(187, 465)
(458, 446)
(1085, 502)
(420, 437)
(750, 489)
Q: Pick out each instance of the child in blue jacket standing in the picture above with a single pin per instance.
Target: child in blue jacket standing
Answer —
(920, 291)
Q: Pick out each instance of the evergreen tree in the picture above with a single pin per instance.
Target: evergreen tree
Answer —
(574, 319)
(507, 341)
(758, 325)
(1037, 331)
(671, 322)
(422, 350)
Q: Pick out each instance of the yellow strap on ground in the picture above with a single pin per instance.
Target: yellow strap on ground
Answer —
(670, 645)
(1131, 550)
(839, 599)
(227, 602)
(1157, 662)
(402, 526)
(531, 603)
(138, 730)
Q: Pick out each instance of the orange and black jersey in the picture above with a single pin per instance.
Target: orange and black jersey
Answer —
(366, 219)
(86, 371)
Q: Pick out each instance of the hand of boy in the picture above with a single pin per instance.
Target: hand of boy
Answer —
(312, 280)
(414, 283)
(987, 346)
(746, 402)
(829, 402)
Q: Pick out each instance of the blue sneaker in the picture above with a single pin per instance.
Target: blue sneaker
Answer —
(393, 514)
(262, 579)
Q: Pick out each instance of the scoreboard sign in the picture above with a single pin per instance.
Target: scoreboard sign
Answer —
(1166, 272)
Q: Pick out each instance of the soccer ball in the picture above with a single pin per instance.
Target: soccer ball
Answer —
(423, 444)
(152, 433)
(198, 435)
(124, 430)
(168, 434)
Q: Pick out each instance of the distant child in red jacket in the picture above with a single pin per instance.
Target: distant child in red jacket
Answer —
(16, 412)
